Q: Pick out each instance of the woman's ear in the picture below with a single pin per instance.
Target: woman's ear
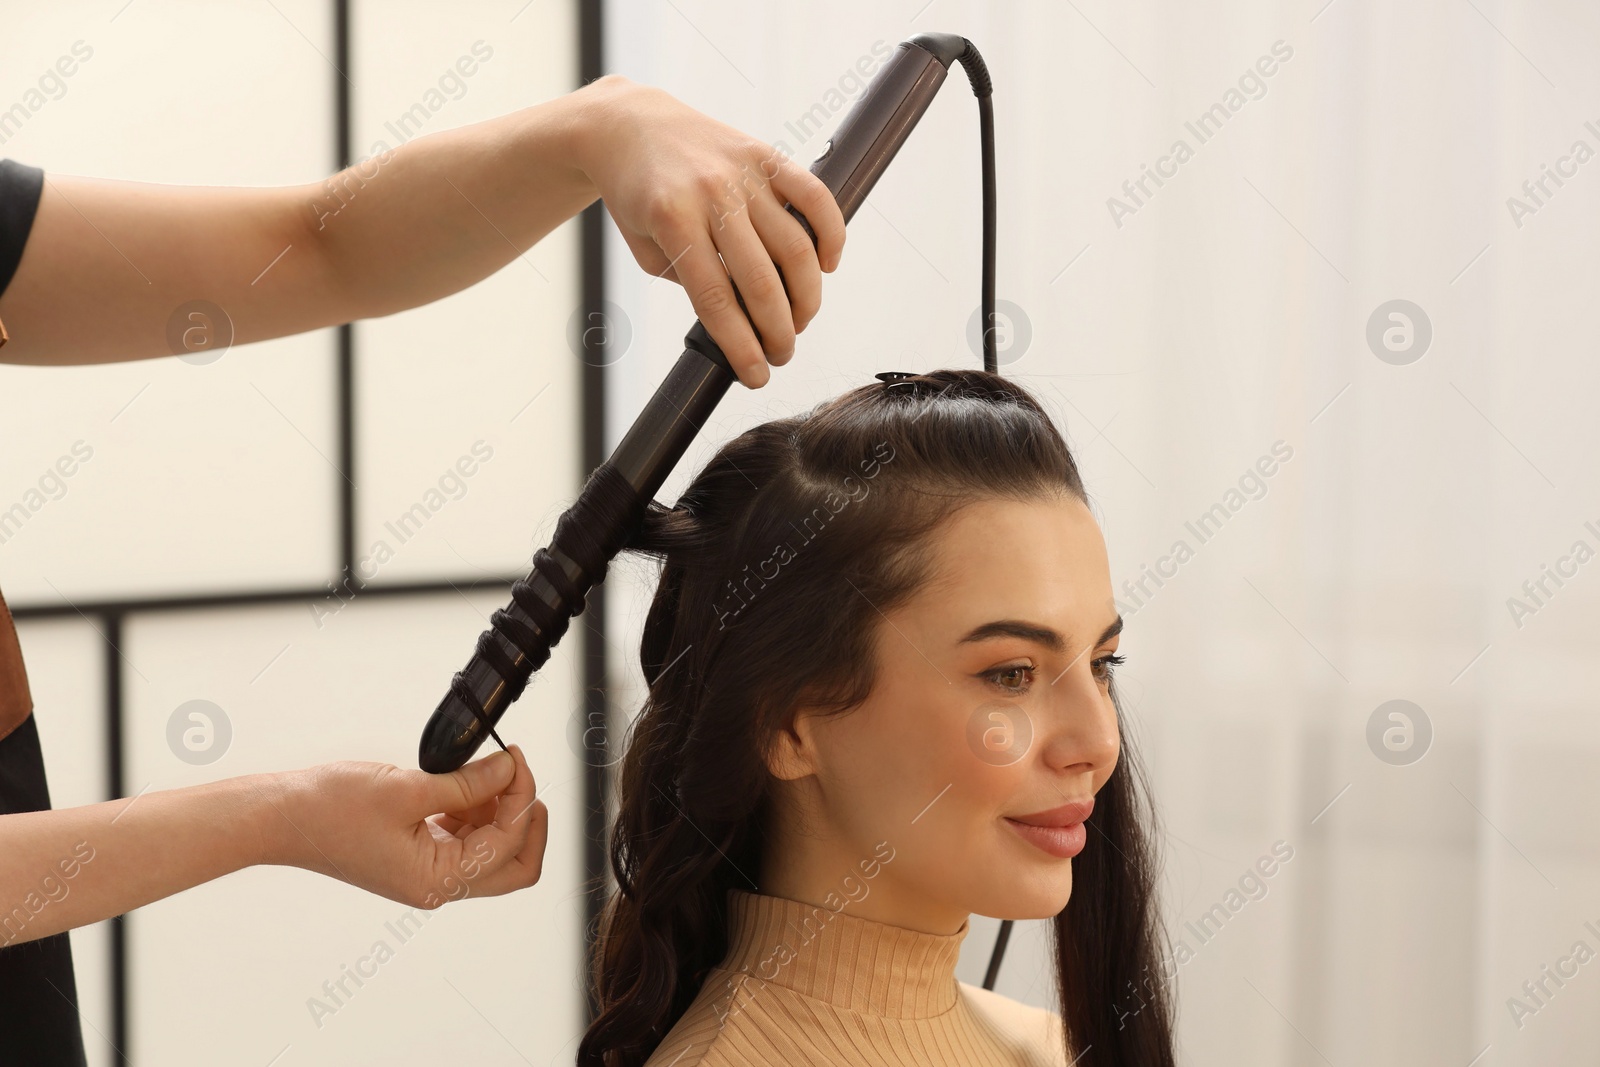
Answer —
(791, 751)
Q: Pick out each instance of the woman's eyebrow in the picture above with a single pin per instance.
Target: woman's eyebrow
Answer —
(1032, 631)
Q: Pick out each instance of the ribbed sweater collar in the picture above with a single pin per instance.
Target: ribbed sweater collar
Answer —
(842, 959)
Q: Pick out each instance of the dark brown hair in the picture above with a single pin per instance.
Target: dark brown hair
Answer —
(777, 561)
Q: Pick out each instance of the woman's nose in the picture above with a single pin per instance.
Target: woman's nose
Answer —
(1080, 721)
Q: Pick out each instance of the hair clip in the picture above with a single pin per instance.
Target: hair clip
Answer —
(900, 381)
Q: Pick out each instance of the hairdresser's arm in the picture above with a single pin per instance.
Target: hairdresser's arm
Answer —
(108, 262)
(372, 825)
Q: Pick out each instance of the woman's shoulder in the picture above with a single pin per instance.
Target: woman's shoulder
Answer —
(1037, 1033)
(713, 1031)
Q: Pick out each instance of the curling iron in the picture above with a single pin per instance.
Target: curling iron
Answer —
(611, 505)
(596, 527)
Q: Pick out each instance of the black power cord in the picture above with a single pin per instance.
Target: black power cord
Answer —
(983, 89)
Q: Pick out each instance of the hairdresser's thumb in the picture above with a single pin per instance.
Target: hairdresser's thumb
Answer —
(477, 783)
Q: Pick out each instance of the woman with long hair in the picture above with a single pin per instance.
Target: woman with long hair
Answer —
(880, 664)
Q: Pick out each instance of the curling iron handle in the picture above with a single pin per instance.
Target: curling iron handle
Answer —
(858, 153)
(878, 124)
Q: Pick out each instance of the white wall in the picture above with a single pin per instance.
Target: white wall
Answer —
(220, 478)
(196, 483)
(1229, 312)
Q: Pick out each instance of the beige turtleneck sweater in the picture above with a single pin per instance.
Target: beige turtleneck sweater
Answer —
(804, 985)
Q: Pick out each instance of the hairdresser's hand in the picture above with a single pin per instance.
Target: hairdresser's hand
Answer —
(684, 188)
(421, 839)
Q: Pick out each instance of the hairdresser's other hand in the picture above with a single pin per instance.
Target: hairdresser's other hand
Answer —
(421, 839)
(683, 188)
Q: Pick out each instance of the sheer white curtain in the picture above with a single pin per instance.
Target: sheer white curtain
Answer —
(1362, 487)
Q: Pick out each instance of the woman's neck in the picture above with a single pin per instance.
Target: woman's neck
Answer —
(824, 871)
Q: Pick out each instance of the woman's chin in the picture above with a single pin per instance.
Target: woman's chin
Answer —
(1029, 894)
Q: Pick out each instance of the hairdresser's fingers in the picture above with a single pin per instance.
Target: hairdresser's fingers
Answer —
(811, 198)
(477, 815)
(451, 826)
(710, 290)
(518, 800)
(472, 786)
(790, 248)
(517, 834)
(448, 836)
(506, 829)
(757, 280)
(527, 864)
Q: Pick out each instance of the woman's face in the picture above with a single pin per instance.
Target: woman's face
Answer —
(988, 732)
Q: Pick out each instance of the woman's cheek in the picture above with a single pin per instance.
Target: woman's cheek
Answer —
(877, 766)
(991, 791)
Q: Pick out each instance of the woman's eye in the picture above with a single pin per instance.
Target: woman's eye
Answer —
(1106, 666)
(1012, 679)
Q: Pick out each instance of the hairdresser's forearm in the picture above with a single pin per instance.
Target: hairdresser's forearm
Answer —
(109, 263)
(75, 866)
(445, 211)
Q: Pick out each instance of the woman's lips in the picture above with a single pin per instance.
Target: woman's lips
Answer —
(1063, 842)
(1058, 831)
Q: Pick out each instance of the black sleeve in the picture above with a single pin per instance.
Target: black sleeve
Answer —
(20, 187)
(39, 1020)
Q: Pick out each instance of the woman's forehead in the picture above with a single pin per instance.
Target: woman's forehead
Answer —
(1043, 561)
